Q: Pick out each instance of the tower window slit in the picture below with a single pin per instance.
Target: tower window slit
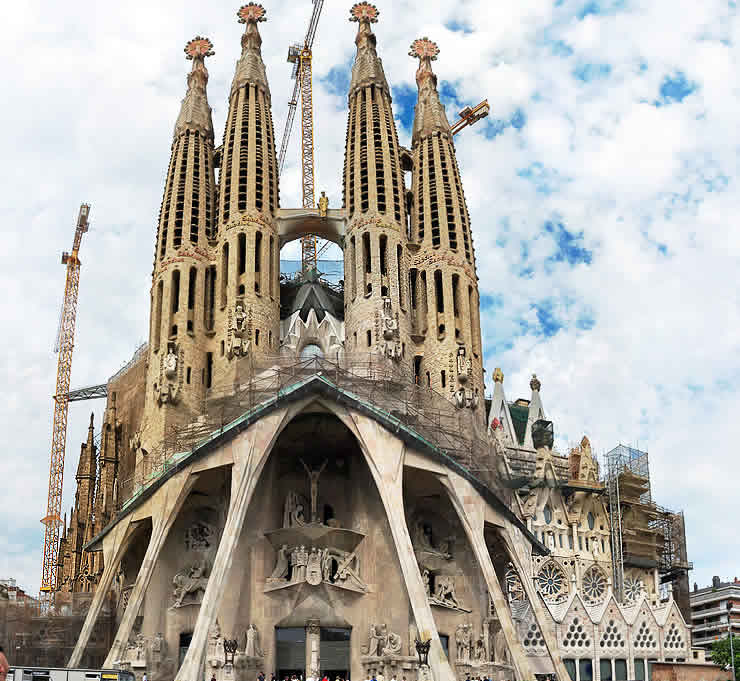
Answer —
(271, 265)
(164, 221)
(207, 171)
(270, 158)
(395, 165)
(474, 320)
(413, 277)
(257, 262)
(369, 338)
(455, 294)
(439, 293)
(366, 257)
(195, 199)
(241, 267)
(433, 203)
(417, 369)
(424, 302)
(443, 377)
(226, 177)
(353, 267)
(245, 93)
(420, 193)
(174, 300)
(364, 182)
(224, 274)
(191, 287)
(158, 315)
(209, 297)
(259, 152)
(399, 280)
(351, 131)
(209, 369)
(451, 231)
(383, 255)
(378, 147)
(180, 201)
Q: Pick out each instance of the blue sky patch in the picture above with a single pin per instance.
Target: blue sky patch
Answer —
(495, 126)
(590, 72)
(337, 80)
(569, 245)
(549, 324)
(456, 26)
(676, 88)
(404, 101)
(545, 180)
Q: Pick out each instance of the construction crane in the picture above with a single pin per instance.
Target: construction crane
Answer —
(301, 57)
(470, 116)
(64, 347)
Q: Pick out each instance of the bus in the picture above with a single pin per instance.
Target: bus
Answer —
(59, 674)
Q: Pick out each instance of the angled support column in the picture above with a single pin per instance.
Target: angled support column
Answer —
(470, 509)
(384, 455)
(539, 613)
(167, 503)
(250, 455)
(114, 548)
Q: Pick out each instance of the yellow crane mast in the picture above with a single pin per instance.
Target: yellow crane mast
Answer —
(64, 347)
(301, 57)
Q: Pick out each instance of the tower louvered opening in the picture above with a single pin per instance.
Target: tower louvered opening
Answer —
(243, 149)
(229, 161)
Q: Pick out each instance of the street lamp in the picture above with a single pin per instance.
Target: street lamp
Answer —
(422, 650)
(729, 629)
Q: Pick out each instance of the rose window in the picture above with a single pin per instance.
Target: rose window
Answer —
(594, 585)
(514, 587)
(633, 589)
(552, 583)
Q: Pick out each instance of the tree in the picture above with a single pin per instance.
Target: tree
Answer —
(721, 652)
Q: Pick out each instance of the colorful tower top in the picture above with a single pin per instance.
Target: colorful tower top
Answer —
(430, 115)
(195, 113)
(368, 67)
(250, 68)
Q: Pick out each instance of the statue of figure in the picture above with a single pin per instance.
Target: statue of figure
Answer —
(377, 640)
(389, 328)
(500, 649)
(480, 650)
(460, 645)
(323, 204)
(237, 336)
(313, 477)
(423, 541)
(301, 563)
(326, 564)
(445, 591)
(252, 648)
(393, 646)
(293, 511)
(348, 568)
(215, 647)
(314, 573)
(294, 565)
(426, 581)
(282, 565)
(190, 581)
(464, 365)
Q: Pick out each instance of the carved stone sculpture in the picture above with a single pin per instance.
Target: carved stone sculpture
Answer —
(239, 331)
(314, 573)
(253, 648)
(294, 510)
(167, 389)
(199, 536)
(393, 645)
(378, 639)
(313, 479)
(190, 581)
(480, 650)
(422, 541)
(500, 649)
(391, 347)
(444, 592)
(462, 642)
(282, 565)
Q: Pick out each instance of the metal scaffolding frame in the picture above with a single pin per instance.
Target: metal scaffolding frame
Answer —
(374, 380)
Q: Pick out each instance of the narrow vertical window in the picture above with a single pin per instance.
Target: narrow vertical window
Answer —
(241, 266)
(191, 287)
(209, 295)
(174, 300)
(158, 315)
(353, 267)
(433, 202)
(180, 201)
(413, 276)
(244, 93)
(369, 338)
(209, 369)
(195, 197)
(224, 273)
(443, 377)
(272, 269)
(256, 336)
(259, 149)
(399, 256)
(439, 294)
(383, 254)
(226, 176)
(364, 182)
(417, 369)
(257, 262)
(456, 294)
(378, 149)
(367, 262)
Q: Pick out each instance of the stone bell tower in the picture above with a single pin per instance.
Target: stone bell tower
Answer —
(376, 290)
(442, 276)
(244, 285)
(178, 336)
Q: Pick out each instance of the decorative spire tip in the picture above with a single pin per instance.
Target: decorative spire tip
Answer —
(423, 47)
(252, 12)
(199, 47)
(535, 383)
(498, 375)
(364, 11)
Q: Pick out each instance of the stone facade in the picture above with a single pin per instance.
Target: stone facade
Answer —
(298, 478)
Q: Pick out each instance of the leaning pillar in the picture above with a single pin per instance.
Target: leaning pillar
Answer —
(170, 498)
(470, 510)
(115, 545)
(385, 460)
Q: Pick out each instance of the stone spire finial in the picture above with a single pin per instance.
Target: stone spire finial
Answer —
(195, 113)
(368, 67)
(430, 116)
(250, 68)
(498, 375)
(535, 384)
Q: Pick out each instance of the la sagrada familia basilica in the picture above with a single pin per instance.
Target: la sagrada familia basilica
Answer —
(298, 477)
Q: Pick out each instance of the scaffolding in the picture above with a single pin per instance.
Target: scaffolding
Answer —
(648, 536)
(381, 385)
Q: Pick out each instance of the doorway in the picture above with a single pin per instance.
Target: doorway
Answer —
(334, 652)
(290, 652)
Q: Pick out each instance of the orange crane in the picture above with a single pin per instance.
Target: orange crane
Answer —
(64, 347)
(470, 116)
(301, 57)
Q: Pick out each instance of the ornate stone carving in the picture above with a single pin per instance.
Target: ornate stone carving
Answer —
(280, 573)
(253, 647)
(239, 331)
(199, 536)
(167, 389)
(314, 574)
(294, 510)
(390, 344)
(423, 543)
(479, 653)
(299, 563)
(313, 479)
(215, 654)
(378, 639)
(465, 398)
(444, 592)
(190, 583)
(393, 645)
(463, 641)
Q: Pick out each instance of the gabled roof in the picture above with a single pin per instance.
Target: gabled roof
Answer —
(321, 386)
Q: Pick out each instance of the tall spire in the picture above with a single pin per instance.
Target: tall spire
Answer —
(430, 116)
(368, 67)
(250, 68)
(195, 113)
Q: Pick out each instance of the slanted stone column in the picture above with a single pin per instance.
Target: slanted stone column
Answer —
(539, 613)
(166, 504)
(250, 451)
(384, 455)
(114, 548)
(470, 509)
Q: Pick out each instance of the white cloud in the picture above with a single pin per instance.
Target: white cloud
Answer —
(92, 91)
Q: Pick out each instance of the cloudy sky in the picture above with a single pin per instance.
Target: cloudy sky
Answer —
(602, 191)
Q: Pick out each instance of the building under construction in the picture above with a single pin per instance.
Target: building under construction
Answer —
(303, 477)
